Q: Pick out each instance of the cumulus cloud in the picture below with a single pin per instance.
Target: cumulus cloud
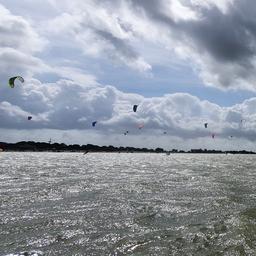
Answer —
(76, 74)
(66, 105)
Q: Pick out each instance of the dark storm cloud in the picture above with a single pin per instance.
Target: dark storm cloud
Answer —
(227, 38)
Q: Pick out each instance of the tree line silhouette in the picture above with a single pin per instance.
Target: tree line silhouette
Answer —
(32, 146)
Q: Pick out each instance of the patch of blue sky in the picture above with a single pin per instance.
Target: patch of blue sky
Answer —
(38, 10)
(163, 79)
(166, 81)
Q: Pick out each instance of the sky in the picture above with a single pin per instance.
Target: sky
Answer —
(183, 62)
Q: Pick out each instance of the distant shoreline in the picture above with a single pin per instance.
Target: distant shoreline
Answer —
(31, 146)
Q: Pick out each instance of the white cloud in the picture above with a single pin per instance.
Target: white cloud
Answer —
(19, 43)
(17, 33)
(67, 105)
(98, 32)
(13, 62)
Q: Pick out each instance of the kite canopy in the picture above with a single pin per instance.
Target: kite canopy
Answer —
(12, 80)
(29, 117)
(205, 125)
(242, 121)
(135, 108)
(94, 123)
(140, 126)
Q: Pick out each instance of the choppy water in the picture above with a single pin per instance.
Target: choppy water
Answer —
(127, 204)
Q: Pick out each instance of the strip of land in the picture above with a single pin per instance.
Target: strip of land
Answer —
(31, 146)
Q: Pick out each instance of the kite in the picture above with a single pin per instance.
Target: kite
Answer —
(12, 80)
(140, 126)
(135, 108)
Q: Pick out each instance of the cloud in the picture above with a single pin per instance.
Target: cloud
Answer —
(17, 33)
(67, 105)
(216, 38)
(76, 74)
(13, 116)
(219, 38)
(98, 33)
(19, 43)
(13, 62)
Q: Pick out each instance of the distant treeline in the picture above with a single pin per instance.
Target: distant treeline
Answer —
(61, 147)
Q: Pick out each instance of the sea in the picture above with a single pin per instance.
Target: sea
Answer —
(127, 204)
